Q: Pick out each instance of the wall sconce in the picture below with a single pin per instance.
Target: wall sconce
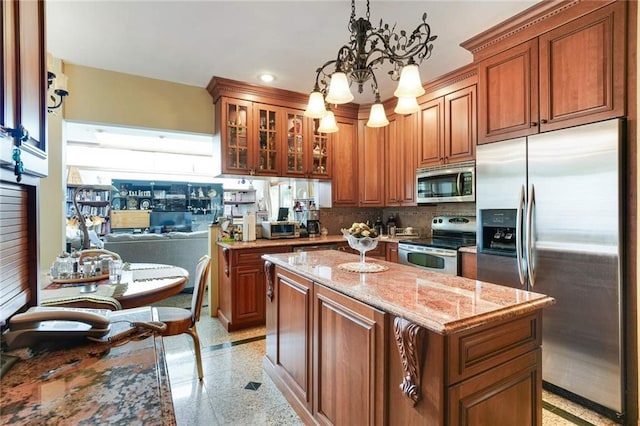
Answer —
(56, 86)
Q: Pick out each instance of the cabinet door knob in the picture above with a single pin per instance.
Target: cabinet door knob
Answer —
(534, 124)
(543, 121)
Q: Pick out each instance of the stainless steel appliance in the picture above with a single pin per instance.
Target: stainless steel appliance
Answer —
(550, 221)
(448, 183)
(278, 230)
(440, 252)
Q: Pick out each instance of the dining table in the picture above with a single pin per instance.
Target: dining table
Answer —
(141, 284)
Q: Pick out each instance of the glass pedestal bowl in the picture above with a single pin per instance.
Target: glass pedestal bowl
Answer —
(362, 245)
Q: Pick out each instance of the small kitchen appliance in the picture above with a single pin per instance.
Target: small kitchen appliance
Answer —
(313, 223)
(440, 252)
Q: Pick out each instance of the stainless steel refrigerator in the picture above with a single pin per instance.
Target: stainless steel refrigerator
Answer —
(550, 220)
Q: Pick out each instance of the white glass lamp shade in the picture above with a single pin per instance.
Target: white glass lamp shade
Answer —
(315, 107)
(339, 92)
(407, 106)
(328, 123)
(377, 116)
(409, 85)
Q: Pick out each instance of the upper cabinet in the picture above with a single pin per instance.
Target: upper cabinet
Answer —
(23, 112)
(447, 127)
(400, 149)
(344, 188)
(370, 164)
(261, 131)
(572, 72)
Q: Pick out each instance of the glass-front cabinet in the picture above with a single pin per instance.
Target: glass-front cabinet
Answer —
(307, 149)
(236, 124)
(262, 131)
(268, 139)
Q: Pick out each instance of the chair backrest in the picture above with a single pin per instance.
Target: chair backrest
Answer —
(202, 277)
(97, 252)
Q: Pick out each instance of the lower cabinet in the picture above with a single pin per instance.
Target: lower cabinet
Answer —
(241, 286)
(348, 360)
(468, 265)
(339, 361)
(324, 348)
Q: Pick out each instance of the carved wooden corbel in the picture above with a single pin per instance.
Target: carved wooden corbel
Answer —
(269, 269)
(225, 255)
(409, 338)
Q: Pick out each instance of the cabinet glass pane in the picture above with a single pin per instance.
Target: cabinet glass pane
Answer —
(320, 149)
(237, 136)
(267, 135)
(295, 143)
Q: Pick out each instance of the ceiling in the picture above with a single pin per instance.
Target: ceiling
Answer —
(187, 41)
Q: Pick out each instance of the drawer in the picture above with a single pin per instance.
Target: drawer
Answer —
(253, 256)
(479, 349)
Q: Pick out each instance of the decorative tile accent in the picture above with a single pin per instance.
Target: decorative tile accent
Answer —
(253, 386)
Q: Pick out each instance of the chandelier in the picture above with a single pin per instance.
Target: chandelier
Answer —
(369, 47)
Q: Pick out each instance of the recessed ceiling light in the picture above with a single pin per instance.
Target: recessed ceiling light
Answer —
(267, 78)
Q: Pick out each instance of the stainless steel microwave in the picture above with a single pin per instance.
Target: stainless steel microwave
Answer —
(280, 229)
(446, 184)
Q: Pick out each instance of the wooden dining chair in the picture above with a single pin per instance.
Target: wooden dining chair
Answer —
(180, 320)
(97, 252)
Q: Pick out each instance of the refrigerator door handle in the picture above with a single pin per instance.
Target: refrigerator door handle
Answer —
(529, 236)
(519, 245)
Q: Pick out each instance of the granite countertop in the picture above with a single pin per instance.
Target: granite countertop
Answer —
(441, 303)
(260, 243)
(90, 383)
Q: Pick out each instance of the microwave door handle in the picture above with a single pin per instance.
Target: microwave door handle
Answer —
(529, 236)
(459, 184)
(519, 245)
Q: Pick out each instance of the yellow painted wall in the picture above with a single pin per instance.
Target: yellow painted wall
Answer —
(101, 96)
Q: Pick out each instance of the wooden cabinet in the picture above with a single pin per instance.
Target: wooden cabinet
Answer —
(262, 131)
(571, 75)
(391, 250)
(242, 286)
(468, 265)
(448, 129)
(348, 360)
(344, 187)
(370, 164)
(307, 150)
(290, 304)
(23, 94)
(249, 137)
(400, 149)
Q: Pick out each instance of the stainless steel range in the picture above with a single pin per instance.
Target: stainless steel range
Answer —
(440, 252)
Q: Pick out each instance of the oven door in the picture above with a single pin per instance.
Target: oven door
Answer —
(429, 258)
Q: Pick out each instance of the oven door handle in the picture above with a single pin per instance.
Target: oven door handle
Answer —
(431, 251)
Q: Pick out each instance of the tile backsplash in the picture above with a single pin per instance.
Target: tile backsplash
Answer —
(418, 217)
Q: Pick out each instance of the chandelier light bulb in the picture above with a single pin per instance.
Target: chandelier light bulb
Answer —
(328, 123)
(409, 85)
(407, 105)
(315, 107)
(339, 92)
(377, 116)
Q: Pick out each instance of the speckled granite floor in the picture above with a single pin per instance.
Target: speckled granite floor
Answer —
(235, 390)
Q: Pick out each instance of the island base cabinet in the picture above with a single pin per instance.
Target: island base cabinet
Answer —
(505, 395)
(348, 360)
(288, 330)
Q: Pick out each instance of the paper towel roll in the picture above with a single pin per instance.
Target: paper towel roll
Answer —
(249, 227)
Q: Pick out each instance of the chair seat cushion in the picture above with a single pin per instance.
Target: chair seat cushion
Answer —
(178, 320)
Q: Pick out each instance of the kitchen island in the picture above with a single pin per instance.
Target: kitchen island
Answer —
(400, 346)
